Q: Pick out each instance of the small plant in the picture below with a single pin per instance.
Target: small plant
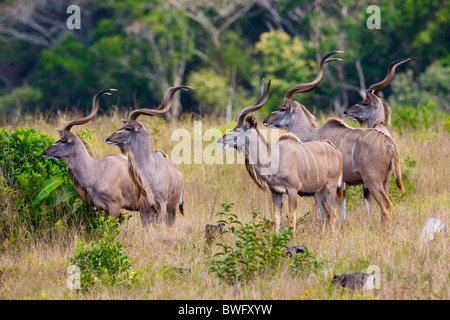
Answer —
(307, 262)
(256, 249)
(103, 262)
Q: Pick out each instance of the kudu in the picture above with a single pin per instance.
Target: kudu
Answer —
(374, 111)
(370, 156)
(104, 184)
(289, 166)
(157, 179)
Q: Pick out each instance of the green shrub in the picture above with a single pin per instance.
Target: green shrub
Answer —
(256, 250)
(104, 262)
(418, 117)
(36, 193)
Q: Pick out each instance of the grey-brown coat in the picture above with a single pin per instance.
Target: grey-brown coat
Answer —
(157, 179)
(288, 167)
(370, 156)
(105, 183)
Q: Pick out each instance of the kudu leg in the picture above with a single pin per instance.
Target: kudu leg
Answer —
(277, 200)
(341, 204)
(171, 214)
(319, 198)
(367, 201)
(331, 197)
(292, 199)
(316, 211)
(163, 217)
(382, 198)
(148, 215)
(113, 211)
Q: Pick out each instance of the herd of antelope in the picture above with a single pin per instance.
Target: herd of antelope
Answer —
(311, 160)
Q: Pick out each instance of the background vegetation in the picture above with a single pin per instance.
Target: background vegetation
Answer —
(222, 48)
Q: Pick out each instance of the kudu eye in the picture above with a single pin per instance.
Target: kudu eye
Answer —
(128, 129)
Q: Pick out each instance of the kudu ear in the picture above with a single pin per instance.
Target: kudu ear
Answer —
(60, 132)
(290, 107)
(250, 121)
(372, 98)
(124, 122)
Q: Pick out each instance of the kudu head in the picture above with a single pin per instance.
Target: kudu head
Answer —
(373, 108)
(235, 138)
(66, 146)
(280, 117)
(132, 130)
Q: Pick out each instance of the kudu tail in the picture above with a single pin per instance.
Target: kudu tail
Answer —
(181, 202)
(397, 171)
(340, 188)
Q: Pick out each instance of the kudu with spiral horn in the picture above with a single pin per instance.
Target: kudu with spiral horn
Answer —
(157, 179)
(104, 184)
(373, 110)
(289, 166)
(370, 156)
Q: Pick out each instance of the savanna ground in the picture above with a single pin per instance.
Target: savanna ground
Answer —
(35, 269)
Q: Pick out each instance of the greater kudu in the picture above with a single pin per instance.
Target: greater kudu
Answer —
(374, 111)
(157, 179)
(370, 156)
(305, 169)
(104, 184)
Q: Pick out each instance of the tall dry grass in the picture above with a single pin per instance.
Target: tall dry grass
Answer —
(409, 270)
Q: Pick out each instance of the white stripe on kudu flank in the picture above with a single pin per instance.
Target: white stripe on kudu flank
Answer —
(316, 149)
(344, 139)
(325, 154)
(335, 139)
(317, 168)
(353, 149)
(362, 145)
(306, 157)
(372, 141)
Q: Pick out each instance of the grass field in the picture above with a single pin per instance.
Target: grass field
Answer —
(35, 269)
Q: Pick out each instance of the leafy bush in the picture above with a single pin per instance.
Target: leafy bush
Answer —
(35, 193)
(418, 117)
(257, 250)
(104, 262)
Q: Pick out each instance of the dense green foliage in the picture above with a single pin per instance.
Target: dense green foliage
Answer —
(38, 188)
(103, 261)
(141, 47)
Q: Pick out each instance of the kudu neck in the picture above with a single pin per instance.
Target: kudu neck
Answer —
(379, 116)
(80, 159)
(142, 148)
(257, 150)
(301, 125)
